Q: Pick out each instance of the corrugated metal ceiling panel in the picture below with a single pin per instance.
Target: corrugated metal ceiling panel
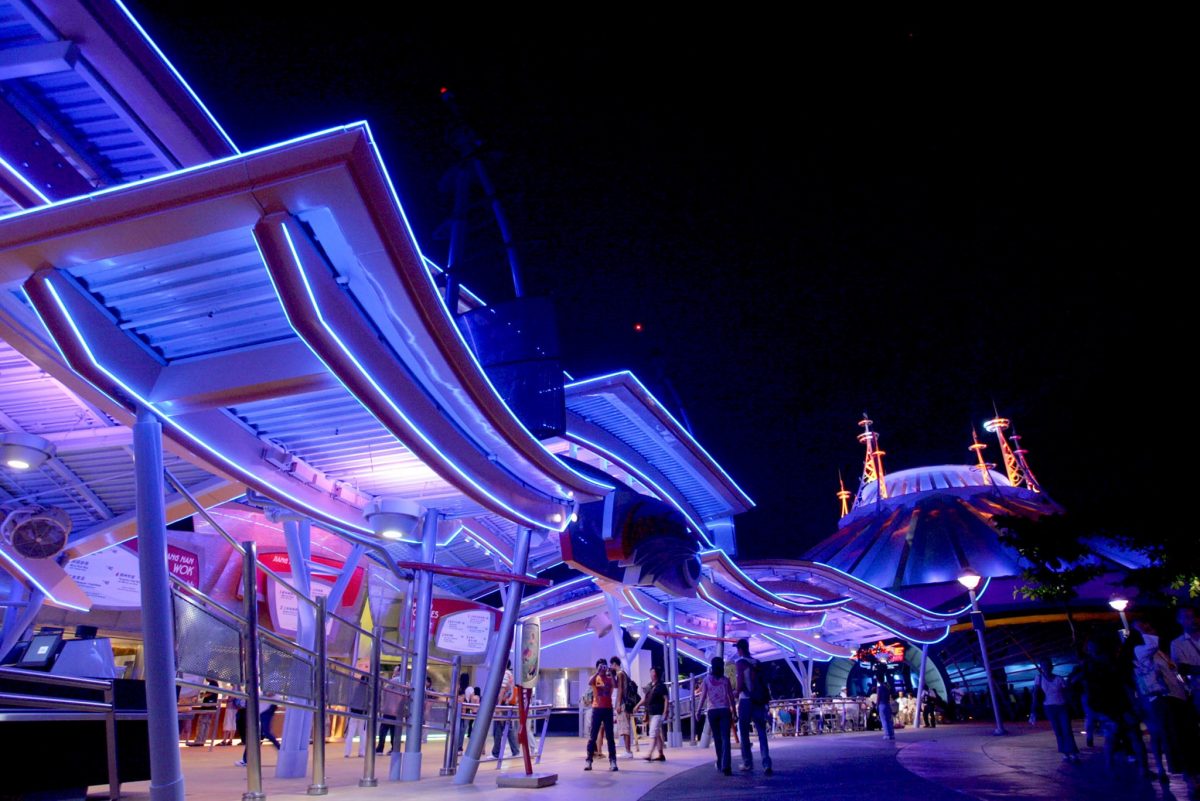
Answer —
(601, 411)
(209, 295)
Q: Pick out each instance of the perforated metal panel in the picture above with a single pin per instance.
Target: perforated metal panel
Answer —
(205, 644)
(284, 671)
(347, 689)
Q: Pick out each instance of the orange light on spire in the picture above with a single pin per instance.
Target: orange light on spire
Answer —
(872, 463)
(1019, 474)
(983, 467)
(843, 495)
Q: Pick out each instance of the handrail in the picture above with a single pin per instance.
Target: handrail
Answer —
(42, 701)
(107, 708)
(37, 677)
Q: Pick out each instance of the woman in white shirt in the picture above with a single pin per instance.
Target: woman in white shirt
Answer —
(716, 697)
(1057, 711)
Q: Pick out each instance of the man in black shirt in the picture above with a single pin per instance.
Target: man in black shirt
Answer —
(656, 700)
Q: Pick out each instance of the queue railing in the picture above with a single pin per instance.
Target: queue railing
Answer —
(218, 644)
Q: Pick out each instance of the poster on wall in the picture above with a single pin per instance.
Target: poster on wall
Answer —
(112, 577)
(285, 608)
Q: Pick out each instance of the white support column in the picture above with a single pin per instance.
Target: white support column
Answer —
(921, 685)
(676, 735)
(491, 692)
(618, 634)
(410, 765)
(297, 723)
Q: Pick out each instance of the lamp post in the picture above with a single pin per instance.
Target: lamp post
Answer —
(1121, 604)
(970, 579)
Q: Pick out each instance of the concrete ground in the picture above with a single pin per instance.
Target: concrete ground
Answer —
(930, 765)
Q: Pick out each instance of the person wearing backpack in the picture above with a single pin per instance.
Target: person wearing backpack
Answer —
(625, 698)
(753, 697)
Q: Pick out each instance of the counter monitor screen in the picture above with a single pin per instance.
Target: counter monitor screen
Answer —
(41, 651)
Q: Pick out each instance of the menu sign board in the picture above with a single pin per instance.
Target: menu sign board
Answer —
(462, 628)
(112, 577)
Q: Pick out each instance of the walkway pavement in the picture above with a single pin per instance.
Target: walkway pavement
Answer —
(949, 762)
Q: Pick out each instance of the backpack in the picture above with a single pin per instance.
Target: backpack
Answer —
(631, 697)
(760, 693)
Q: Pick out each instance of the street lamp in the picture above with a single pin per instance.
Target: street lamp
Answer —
(1121, 604)
(970, 579)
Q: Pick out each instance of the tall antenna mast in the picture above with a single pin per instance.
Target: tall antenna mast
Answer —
(872, 464)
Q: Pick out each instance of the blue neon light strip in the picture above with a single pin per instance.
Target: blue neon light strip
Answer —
(449, 316)
(24, 181)
(556, 588)
(631, 596)
(29, 577)
(663, 495)
(944, 615)
(671, 417)
(386, 397)
(177, 75)
(568, 639)
(108, 190)
(794, 653)
(726, 561)
(710, 599)
(167, 421)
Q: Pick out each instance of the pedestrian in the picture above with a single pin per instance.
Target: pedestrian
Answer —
(1185, 652)
(716, 699)
(461, 698)
(266, 719)
(498, 726)
(1056, 689)
(601, 685)
(883, 704)
(753, 697)
(657, 703)
(389, 708)
(1164, 696)
(929, 708)
(623, 694)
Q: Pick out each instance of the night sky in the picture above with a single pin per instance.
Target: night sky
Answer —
(908, 215)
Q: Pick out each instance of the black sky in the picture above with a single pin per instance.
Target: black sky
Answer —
(910, 215)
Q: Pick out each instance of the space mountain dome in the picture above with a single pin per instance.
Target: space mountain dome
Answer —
(927, 525)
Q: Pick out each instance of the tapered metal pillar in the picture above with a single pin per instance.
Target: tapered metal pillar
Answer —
(318, 786)
(410, 765)
(675, 739)
(253, 738)
(722, 622)
(158, 641)
(921, 686)
(297, 723)
(368, 778)
(487, 704)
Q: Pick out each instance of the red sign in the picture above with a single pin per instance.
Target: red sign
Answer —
(279, 562)
(183, 564)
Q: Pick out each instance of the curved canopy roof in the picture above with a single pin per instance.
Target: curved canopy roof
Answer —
(260, 303)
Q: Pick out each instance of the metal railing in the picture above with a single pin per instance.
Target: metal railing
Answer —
(807, 716)
(77, 710)
(214, 642)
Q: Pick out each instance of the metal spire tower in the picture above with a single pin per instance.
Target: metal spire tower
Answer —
(872, 463)
(983, 467)
(843, 495)
(1019, 474)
